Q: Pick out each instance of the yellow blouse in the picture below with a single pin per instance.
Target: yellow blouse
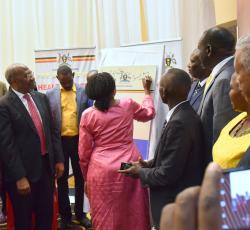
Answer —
(228, 150)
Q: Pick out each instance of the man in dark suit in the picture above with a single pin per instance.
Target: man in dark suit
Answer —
(67, 102)
(216, 49)
(199, 75)
(3, 91)
(30, 150)
(177, 163)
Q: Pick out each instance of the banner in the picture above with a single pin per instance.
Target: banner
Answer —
(130, 77)
(80, 60)
(172, 58)
(132, 58)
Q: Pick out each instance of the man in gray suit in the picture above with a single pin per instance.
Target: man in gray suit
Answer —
(216, 49)
(67, 103)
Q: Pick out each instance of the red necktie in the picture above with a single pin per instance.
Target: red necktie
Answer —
(37, 122)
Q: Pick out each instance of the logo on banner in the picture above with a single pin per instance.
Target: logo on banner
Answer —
(170, 60)
(125, 77)
(64, 59)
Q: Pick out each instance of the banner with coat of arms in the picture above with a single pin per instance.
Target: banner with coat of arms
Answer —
(80, 60)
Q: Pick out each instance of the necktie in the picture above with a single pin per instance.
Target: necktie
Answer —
(164, 126)
(37, 122)
(208, 82)
(198, 87)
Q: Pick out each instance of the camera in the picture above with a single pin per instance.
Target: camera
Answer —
(125, 165)
(235, 199)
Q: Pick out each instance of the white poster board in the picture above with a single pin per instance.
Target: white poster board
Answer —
(172, 59)
(135, 56)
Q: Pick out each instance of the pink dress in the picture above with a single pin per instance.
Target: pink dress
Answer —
(117, 202)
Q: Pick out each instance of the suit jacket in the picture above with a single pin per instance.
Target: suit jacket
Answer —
(54, 96)
(215, 109)
(194, 97)
(3, 89)
(19, 140)
(177, 163)
(245, 160)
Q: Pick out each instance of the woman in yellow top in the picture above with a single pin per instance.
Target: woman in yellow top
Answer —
(234, 138)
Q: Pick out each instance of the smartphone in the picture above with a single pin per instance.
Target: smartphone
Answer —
(125, 165)
(235, 199)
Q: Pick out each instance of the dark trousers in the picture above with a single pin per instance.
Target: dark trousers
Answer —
(70, 150)
(158, 200)
(39, 202)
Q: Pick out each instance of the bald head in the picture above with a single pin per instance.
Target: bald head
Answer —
(20, 78)
(220, 38)
(215, 44)
(13, 70)
(196, 68)
(174, 86)
(92, 73)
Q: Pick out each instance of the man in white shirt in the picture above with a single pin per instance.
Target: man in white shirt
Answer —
(29, 149)
(216, 49)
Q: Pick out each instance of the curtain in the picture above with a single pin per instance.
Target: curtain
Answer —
(28, 25)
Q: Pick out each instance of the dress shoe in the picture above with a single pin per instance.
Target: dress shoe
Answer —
(64, 226)
(85, 222)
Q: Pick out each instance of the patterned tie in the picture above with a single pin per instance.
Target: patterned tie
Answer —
(37, 122)
(164, 126)
(197, 89)
(208, 82)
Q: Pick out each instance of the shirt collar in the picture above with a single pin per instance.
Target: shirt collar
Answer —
(171, 111)
(203, 82)
(73, 88)
(20, 95)
(217, 68)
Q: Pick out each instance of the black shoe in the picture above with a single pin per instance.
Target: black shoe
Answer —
(65, 224)
(85, 222)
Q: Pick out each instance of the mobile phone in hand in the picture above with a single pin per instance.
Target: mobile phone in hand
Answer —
(235, 199)
(125, 165)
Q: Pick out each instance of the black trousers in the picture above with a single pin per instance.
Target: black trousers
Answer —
(70, 150)
(39, 201)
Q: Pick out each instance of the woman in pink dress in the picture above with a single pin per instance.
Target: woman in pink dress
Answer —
(117, 202)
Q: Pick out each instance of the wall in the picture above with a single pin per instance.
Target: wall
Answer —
(225, 11)
(243, 17)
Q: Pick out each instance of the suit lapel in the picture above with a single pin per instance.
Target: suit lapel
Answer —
(197, 95)
(191, 92)
(17, 103)
(78, 99)
(157, 153)
(39, 107)
(57, 94)
(212, 82)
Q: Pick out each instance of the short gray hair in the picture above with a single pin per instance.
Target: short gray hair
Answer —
(11, 70)
(243, 44)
